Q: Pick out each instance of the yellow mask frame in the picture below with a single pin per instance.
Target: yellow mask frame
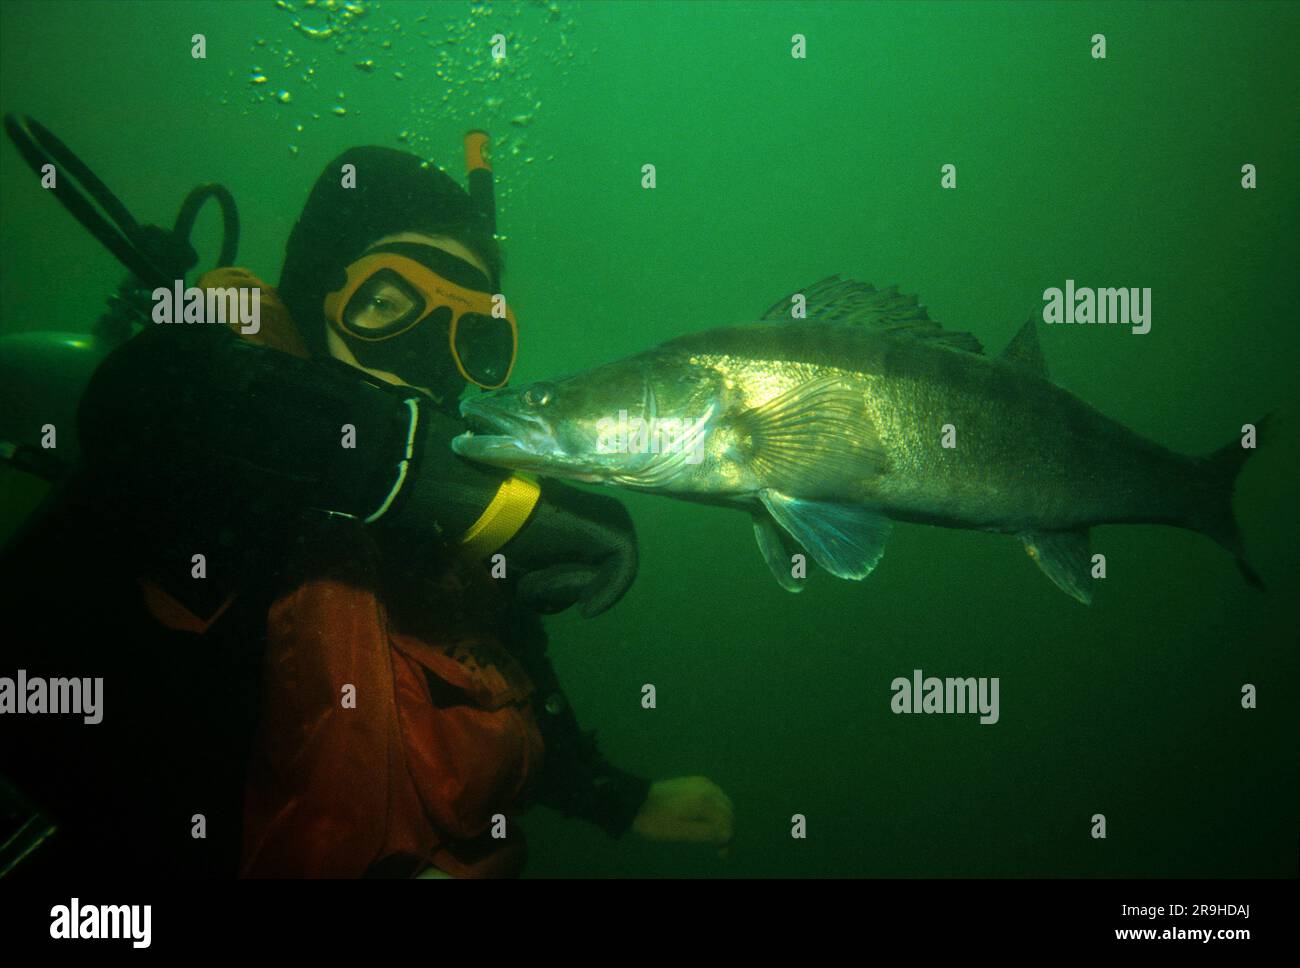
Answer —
(472, 310)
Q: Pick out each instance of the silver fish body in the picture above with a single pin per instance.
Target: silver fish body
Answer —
(828, 428)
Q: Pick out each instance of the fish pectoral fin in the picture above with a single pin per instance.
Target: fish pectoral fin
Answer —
(815, 437)
(1065, 557)
(775, 552)
(846, 539)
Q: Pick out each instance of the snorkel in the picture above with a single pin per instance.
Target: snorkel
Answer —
(478, 175)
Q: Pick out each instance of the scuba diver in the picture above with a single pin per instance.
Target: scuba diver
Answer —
(318, 630)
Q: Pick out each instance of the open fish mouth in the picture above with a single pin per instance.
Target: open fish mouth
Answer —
(502, 435)
(490, 448)
(499, 435)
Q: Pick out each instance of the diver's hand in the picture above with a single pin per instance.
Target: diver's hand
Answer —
(687, 809)
(577, 548)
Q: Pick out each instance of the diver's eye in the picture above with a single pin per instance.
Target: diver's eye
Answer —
(539, 394)
(381, 304)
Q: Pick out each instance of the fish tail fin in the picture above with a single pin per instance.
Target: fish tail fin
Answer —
(1213, 517)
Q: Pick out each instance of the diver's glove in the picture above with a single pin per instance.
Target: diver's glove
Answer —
(577, 548)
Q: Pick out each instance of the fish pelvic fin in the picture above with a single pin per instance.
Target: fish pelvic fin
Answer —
(847, 540)
(1212, 514)
(815, 438)
(1064, 557)
(775, 552)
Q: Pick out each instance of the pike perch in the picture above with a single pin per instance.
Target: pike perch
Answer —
(828, 428)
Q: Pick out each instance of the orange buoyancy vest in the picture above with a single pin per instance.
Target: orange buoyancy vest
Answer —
(356, 760)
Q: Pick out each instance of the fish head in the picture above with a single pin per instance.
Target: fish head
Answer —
(636, 422)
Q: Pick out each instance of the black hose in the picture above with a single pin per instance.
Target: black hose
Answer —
(39, 147)
(151, 254)
(229, 218)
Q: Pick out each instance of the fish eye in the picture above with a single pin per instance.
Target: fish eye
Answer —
(539, 394)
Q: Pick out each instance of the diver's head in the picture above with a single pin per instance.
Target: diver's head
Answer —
(396, 275)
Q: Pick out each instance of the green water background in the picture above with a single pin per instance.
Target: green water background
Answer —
(774, 172)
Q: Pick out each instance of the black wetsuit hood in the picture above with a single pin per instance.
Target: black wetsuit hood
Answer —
(395, 192)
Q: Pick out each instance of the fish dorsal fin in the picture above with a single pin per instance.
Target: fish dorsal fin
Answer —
(1024, 349)
(848, 302)
(815, 438)
(836, 300)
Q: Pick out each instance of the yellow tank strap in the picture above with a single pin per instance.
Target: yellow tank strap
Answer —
(503, 517)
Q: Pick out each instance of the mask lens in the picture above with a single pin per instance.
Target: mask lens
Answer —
(485, 346)
(384, 304)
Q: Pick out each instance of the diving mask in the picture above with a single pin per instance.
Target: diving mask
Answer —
(404, 305)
